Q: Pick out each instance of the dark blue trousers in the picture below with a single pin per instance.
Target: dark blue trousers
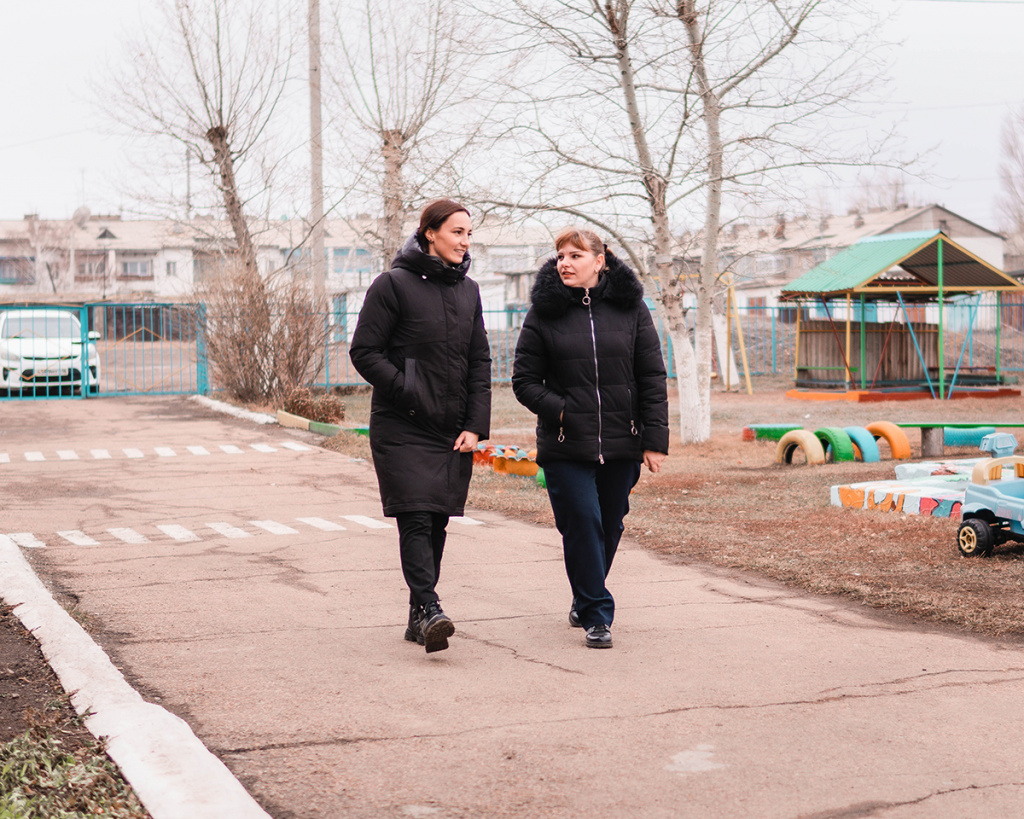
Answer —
(589, 501)
(421, 537)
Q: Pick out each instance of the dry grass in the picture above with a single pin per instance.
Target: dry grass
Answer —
(726, 503)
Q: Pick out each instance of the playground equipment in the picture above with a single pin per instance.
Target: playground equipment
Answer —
(993, 508)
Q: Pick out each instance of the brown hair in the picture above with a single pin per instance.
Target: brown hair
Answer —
(584, 239)
(434, 215)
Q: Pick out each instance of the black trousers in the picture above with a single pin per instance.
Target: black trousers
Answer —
(589, 501)
(421, 537)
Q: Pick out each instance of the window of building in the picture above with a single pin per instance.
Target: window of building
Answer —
(352, 260)
(172, 269)
(17, 270)
(137, 269)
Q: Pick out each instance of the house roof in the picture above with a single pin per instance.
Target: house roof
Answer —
(879, 267)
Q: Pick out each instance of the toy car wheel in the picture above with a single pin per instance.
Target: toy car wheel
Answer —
(975, 538)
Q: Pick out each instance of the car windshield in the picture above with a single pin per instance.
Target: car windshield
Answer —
(53, 325)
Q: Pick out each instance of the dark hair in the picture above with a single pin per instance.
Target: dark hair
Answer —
(434, 215)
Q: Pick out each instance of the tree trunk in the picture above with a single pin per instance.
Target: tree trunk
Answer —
(218, 138)
(394, 153)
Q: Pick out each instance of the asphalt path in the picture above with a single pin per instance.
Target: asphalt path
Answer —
(244, 580)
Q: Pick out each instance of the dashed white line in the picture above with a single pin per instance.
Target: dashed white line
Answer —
(27, 540)
(165, 452)
(78, 538)
(4, 458)
(228, 530)
(320, 523)
(369, 523)
(173, 530)
(100, 454)
(198, 450)
(296, 446)
(466, 521)
(263, 447)
(34, 456)
(231, 449)
(128, 535)
(133, 453)
(274, 527)
(67, 454)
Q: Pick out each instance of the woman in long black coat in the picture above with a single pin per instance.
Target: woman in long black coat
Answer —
(588, 363)
(420, 342)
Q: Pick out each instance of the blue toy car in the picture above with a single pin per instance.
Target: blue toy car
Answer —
(993, 507)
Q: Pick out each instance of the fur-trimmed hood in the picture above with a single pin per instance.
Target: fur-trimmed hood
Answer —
(618, 286)
(411, 257)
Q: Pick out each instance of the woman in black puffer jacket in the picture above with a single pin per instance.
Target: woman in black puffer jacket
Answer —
(588, 363)
(420, 341)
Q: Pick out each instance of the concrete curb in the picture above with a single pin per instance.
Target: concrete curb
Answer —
(173, 773)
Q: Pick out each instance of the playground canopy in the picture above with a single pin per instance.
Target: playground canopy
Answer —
(899, 268)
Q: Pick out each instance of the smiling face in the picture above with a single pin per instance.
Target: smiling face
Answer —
(578, 267)
(451, 241)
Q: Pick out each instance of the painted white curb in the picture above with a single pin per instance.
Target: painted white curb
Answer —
(220, 406)
(173, 773)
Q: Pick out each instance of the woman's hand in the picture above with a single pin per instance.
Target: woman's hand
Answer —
(654, 459)
(466, 442)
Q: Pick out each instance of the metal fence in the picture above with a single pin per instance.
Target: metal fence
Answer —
(160, 349)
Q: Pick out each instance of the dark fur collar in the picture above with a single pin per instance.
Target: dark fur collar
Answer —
(618, 286)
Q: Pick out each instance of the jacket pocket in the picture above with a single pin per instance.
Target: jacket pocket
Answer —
(408, 400)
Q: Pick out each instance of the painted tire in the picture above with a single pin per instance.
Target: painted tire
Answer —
(899, 446)
(799, 439)
(864, 444)
(836, 441)
(958, 436)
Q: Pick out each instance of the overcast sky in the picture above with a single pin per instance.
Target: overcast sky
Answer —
(958, 72)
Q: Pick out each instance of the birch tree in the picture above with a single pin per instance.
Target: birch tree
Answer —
(649, 112)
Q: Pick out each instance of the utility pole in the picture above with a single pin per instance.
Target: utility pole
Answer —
(318, 260)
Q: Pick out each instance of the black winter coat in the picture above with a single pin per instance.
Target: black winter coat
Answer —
(598, 367)
(420, 341)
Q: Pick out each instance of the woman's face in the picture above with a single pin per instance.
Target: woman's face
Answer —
(450, 241)
(578, 267)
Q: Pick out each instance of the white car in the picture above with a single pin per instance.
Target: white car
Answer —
(41, 350)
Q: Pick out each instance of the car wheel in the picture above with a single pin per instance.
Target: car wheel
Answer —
(975, 538)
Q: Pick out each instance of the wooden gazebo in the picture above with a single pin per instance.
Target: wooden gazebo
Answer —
(909, 271)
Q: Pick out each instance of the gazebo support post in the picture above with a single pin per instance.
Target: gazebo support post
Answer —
(849, 339)
(863, 343)
(942, 332)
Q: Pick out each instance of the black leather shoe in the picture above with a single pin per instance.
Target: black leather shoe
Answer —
(574, 618)
(435, 627)
(599, 636)
(412, 631)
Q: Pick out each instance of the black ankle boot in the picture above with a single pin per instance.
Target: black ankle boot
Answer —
(412, 631)
(435, 627)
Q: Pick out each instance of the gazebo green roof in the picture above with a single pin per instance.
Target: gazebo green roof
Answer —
(879, 267)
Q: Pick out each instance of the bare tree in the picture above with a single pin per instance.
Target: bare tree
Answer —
(404, 77)
(1011, 172)
(657, 110)
(48, 244)
(211, 80)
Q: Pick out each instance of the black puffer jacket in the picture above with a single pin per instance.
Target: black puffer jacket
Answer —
(599, 368)
(420, 341)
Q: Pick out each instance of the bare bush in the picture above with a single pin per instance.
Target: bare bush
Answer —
(324, 408)
(264, 337)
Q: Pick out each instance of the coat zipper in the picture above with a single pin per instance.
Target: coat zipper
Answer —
(597, 375)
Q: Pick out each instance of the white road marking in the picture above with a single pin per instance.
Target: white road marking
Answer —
(228, 530)
(696, 761)
(26, 539)
(67, 454)
(78, 538)
(296, 446)
(231, 449)
(34, 456)
(165, 452)
(274, 527)
(128, 535)
(320, 523)
(263, 447)
(369, 523)
(133, 453)
(466, 521)
(100, 454)
(4, 458)
(198, 450)
(173, 530)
